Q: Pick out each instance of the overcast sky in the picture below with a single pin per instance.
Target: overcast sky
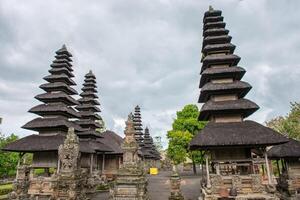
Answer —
(144, 52)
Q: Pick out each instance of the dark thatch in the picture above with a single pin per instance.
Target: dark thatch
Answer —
(42, 124)
(213, 19)
(225, 72)
(93, 146)
(230, 59)
(58, 78)
(290, 149)
(244, 107)
(88, 107)
(211, 25)
(64, 61)
(54, 109)
(61, 65)
(63, 56)
(222, 39)
(36, 143)
(61, 70)
(113, 140)
(212, 13)
(246, 134)
(88, 94)
(63, 50)
(215, 32)
(89, 100)
(56, 97)
(59, 86)
(228, 47)
(239, 88)
(42, 143)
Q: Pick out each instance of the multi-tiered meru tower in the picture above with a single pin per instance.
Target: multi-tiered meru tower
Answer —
(138, 127)
(228, 139)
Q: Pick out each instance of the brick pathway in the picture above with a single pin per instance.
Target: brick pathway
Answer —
(159, 187)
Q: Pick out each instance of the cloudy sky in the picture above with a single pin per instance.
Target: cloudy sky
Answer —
(144, 52)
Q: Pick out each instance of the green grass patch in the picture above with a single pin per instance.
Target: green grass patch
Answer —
(5, 189)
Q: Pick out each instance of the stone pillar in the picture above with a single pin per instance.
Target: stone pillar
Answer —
(208, 184)
(21, 183)
(175, 181)
(268, 168)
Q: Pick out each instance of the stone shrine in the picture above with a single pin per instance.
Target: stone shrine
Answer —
(131, 182)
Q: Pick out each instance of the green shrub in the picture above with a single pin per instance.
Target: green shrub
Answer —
(5, 189)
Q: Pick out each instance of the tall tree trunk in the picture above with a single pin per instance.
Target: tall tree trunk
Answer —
(194, 165)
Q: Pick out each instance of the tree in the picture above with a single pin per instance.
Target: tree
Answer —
(288, 125)
(8, 160)
(184, 128)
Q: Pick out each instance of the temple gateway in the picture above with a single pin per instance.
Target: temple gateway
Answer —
(235, 148)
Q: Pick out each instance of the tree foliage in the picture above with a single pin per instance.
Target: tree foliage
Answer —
(184, 127)
(289, 124)
(8, 160)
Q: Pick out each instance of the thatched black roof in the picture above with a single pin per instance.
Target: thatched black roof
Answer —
(244, 107)
(42, 143)
(220, 39)
(227, 47)
(113, 140)
(236, 87)
(212, 13)
(59, 78)
(215, 32)
(54, 109)
(36, 143)
(59, 86)
(291, 149)
(230, 59)
(213, 19)
(236, 73)
(61, 70)
(44, 124)
(210, 25)
(56, 97)
(246, 133)
(89, 100)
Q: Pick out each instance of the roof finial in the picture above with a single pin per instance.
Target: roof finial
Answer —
(64, 46)
(210, 8)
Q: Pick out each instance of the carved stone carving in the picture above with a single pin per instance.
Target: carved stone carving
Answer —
(131, 182)
(21, 184)
(70, 179)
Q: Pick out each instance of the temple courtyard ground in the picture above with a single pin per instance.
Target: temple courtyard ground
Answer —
(159, 187)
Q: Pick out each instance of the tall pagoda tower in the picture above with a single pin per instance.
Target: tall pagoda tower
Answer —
(88, 107)
(137, 123)
(230, 141)
(57, 106)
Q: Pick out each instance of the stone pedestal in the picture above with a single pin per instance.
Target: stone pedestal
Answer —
(21, 184)
(131, 182)
(175, 181)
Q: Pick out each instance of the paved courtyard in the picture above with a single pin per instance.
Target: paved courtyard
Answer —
(159, 187)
